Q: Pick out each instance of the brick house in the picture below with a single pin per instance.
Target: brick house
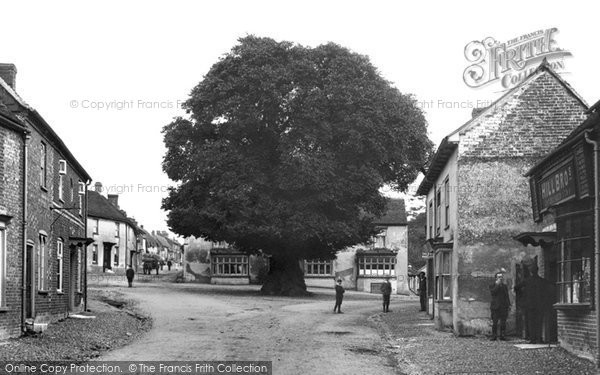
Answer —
(477, 198)
(565, 203)
(115, 240)
(42, 218)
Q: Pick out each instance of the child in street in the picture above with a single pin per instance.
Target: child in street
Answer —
(339, 296)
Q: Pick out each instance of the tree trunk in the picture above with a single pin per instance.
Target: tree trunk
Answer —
(285, 278)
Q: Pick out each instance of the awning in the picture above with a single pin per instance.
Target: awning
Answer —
(81, 241)
(536, 238)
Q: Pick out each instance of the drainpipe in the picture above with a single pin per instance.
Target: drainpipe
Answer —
(596, 239)
(85, 246)
(24, 257)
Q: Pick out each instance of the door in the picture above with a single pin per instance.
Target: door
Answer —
(72, 276)
(106, 262)
(30, 272)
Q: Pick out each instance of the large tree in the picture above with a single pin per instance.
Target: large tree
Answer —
(284, 151)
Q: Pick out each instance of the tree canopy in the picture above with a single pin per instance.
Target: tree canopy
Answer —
(285, 149)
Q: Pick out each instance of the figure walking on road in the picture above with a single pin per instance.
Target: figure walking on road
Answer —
(130, 273)
(423, 291)
(386, 290)
(499, 306)
(339, 296)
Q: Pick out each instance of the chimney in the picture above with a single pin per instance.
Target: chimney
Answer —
(8, 72)
(114, 199)
(98, 187)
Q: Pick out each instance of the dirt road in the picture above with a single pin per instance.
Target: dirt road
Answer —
(300, 335)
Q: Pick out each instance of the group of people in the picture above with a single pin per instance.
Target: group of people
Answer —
(535, 292)
(386, 291)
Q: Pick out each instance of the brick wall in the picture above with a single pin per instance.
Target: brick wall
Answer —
(577, 331)
(11, 187)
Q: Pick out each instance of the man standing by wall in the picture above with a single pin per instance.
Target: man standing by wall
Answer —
(499, 306)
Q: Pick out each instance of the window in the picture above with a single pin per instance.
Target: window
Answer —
(95, 254)
(438, 211)
(318, 267)
(80, 278)
(442, 275)
(80, 204)
(230, 265)
(380, 265)
(379, 240)
(72, 191)
(2, 265)
(95, 225)
(447, 202)
(59, 265)
(43, 164)
(575, 264)
(42, 266)
(430, 219)
(116, 257)
(61, 187)
(116, 229)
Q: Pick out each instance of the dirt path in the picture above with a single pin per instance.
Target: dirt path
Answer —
(300, 336)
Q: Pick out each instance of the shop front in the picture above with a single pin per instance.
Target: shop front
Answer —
(564, 191)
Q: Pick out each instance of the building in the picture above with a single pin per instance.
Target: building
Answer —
(218, 263)
(566, 204)
(477, 197)
(115, 241)
(43, 211)
(365, 267)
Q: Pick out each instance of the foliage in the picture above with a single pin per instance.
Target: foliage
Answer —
(195, 255)
(416, 240)
(286, 147)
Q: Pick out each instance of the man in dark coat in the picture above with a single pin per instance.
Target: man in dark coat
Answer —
(423, 291)
(130, 273)
(339, 296)
(534, 290)
(499, 306)
(386, 290)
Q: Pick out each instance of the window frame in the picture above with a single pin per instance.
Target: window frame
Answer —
(438, 211)
(42, 266)
(447, 202)
(116, 257)
(95, 254)
(368, 263)
(222, 262)
(443, 277)
(320, 266)
(60, 247)
(44, 165)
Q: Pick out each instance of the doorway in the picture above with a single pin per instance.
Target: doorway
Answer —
(29, 274)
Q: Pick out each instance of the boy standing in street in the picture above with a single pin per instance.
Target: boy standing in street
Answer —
(386, 290)
(339, 296)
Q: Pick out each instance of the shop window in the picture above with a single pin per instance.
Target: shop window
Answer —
(575, 264)
(230, 265)
(377, 265)
(318, 268)
(443, 280)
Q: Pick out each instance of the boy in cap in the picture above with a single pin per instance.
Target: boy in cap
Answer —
(339, 296)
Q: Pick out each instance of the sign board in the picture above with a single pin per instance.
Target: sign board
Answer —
(557, 187)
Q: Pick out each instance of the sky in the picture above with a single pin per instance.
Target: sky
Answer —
(107, 76)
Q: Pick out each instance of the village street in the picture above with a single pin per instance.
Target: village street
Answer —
(201, 322)
(300, 335)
